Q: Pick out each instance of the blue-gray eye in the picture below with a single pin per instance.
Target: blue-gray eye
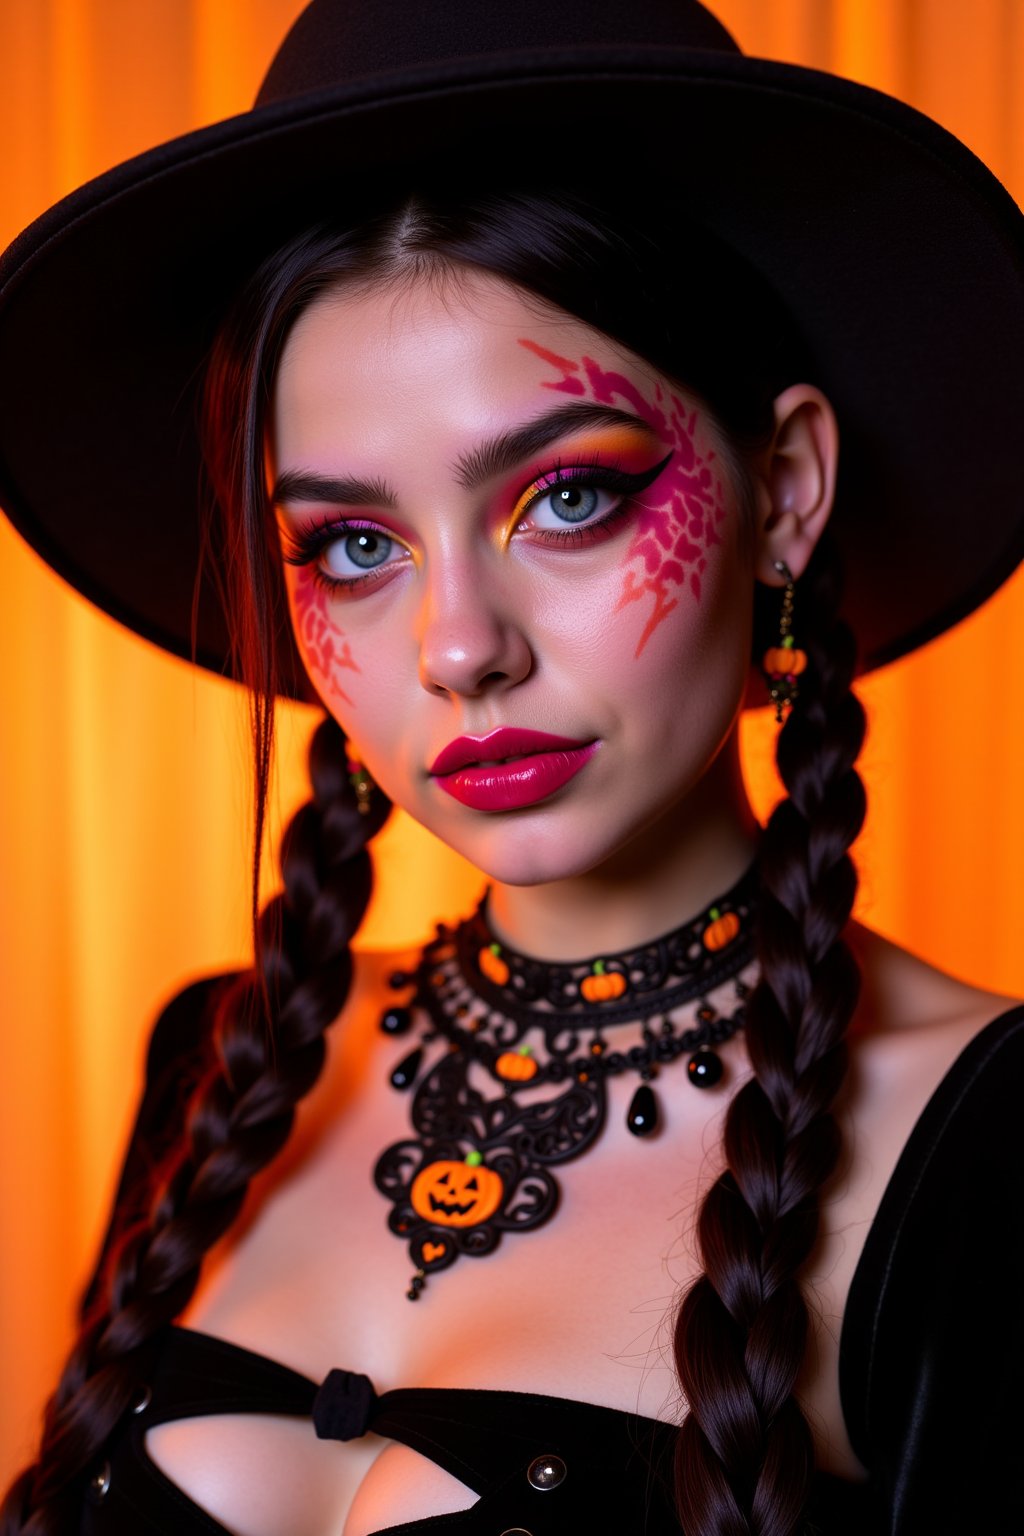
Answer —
(573, 503)
(366, 549)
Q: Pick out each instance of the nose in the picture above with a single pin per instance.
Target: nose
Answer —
(471, 640)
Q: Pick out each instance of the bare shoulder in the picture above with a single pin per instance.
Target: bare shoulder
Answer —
(374, 969)
(371, 992)
(351, 1067)
(912, 1022)
(904, 993)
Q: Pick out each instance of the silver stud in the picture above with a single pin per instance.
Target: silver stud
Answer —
(546, 1472)
(143, 1402)
(99, 1483)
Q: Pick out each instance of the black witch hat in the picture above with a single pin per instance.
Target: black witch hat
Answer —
(899, 256)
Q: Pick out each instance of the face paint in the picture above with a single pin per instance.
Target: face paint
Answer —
(515, 608)
(568, 385)
(327, 649)
(668, 548)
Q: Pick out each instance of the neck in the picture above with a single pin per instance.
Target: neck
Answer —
(669, 872)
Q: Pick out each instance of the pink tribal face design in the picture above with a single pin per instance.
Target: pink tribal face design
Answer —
(667, 554)
(327, 649)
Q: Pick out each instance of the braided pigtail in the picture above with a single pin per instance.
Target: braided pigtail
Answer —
(744, 1457)
(266, 1060)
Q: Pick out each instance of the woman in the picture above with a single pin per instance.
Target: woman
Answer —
(517, 447)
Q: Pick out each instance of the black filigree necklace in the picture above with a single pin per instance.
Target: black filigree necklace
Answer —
(479, 1164)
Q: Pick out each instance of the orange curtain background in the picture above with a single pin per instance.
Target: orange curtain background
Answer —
(123, 777)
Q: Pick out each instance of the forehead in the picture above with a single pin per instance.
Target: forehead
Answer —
(444, 357)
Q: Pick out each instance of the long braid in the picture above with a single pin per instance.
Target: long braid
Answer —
(744, 1457)
(237, 1120)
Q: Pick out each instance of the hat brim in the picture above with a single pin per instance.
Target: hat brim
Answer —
(900, 256)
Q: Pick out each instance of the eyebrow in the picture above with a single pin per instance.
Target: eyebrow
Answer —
(472, 469)
(510, 448)
(304, 485)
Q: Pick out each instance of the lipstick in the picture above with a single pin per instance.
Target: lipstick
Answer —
(509, 768)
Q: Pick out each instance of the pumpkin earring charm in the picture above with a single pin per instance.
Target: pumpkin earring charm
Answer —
(783, 663)
(361, 782)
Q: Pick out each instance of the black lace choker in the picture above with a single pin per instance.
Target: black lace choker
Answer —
(478, 1164)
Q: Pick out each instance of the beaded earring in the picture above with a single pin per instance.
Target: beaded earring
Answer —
(782, 663)
(361, 782)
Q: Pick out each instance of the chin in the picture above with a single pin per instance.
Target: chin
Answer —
(524, 849)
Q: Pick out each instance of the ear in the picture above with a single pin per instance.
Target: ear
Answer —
(795, 482)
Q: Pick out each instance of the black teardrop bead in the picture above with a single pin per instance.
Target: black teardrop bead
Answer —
(407, 1071)
(704, 1068)
(396, 1021)
(643, 1111)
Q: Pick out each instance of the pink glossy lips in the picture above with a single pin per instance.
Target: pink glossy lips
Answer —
(509, 768)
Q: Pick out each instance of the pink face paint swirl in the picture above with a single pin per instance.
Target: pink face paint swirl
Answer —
(324, 641)
(668, 551)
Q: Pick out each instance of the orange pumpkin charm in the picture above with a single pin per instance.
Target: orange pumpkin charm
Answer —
(492, 965)
(784, 661)
(722, 929)
(783, 664)
(516, 1066)
(601, 985)
(453, 1194)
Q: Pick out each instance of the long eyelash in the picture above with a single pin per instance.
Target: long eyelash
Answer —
(301, 546)
(605, 477)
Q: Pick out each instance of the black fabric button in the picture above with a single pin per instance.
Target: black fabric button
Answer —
(343, 1405)
(546, 1472)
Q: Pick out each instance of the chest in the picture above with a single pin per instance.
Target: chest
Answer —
(554, 1295)
(581, 1307)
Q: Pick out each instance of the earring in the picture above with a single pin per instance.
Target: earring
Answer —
(783, 663)
(361, 782)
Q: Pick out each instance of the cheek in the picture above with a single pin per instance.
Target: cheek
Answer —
(649, 638)
(323, 644)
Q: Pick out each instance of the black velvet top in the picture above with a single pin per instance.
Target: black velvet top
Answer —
(931, 1362)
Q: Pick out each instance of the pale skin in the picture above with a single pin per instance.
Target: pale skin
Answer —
(483, 622)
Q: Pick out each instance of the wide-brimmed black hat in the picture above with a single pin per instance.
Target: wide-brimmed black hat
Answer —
(899, 256)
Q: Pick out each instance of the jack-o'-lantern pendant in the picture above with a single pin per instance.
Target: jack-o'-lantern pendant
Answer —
(455, 1194)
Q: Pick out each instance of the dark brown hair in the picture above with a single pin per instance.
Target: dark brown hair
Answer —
(744, 1457)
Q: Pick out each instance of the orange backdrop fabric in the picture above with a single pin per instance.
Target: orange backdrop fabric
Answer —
(123, 775)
